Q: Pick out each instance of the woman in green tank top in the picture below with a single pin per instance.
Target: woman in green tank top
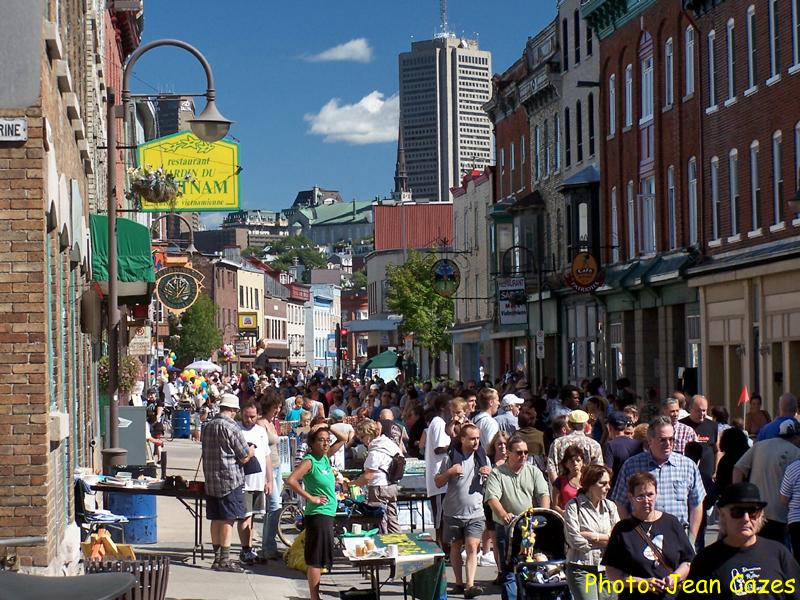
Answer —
(313, 479)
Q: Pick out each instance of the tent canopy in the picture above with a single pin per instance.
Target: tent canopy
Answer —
(384, 360)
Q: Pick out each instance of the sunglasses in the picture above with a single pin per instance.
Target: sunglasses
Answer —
(521, 452)
(737, 512)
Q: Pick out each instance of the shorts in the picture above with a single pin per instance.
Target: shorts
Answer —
(456, 529)
(318, 550)
(254, 503)
(489, 516)
(228, 508)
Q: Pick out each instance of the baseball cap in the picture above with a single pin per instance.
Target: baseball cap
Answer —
(337, 414)
(619, 420)
(374, 386)
(789, 428)
(578, 416)
(510, 399)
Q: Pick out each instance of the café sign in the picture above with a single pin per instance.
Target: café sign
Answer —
(208, 172)
(14, 130)
(585, 275)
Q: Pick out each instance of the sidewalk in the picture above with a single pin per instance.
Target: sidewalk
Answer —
(267, 581)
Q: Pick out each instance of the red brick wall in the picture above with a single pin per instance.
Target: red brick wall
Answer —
(510, 131)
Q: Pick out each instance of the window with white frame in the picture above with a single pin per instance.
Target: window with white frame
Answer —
(557, 134)
(590, 117)
(522, 150)
(628, 96)
(774, 39)
(546, 144)
(733, 190)
(755, 188)
(578, 131)
(715, 197)
(712, 72)
(647, 215)
(751, 47)
(689, 59)
(730, 61)
(512, 159)
(692, 196)
(612, 104)
(614, 227)
(567, 140)
(795, 32)
(502, 160)
(671, 225)
(631, 222)
(669, 91)
(647, 89)
(537, 155)
(777, 178)
(797, 156)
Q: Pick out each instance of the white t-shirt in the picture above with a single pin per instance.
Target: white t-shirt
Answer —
(337, 460)
(435, 438)
(170, 394)
(257, 435)
(379, 457)
(488, 428)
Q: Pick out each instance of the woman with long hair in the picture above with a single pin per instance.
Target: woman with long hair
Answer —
(566, 485)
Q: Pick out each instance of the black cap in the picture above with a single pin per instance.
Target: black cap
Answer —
(619, 420)
(741, 493)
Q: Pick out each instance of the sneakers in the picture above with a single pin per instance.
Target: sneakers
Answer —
(227, 566)
(248, 557)
(487, 560)
(473, 592)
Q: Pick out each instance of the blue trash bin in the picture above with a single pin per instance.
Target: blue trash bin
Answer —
(140, 509)
(181, 424)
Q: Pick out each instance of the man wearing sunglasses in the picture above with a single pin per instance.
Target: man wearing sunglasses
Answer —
(743, 564)
(511, 489)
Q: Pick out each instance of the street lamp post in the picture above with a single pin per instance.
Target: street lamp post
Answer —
(209, 126)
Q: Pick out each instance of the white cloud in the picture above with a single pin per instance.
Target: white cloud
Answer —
(212, 220)
(357, 50)
(371, 120)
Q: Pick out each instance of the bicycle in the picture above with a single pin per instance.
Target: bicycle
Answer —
(290, 517)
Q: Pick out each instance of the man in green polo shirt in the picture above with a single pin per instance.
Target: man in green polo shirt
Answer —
(511, 489)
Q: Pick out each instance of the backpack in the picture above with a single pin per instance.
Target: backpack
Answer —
(397, 468)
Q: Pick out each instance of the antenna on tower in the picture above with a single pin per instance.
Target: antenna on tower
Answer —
(443, 15)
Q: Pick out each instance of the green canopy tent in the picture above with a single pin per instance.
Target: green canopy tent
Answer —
(386, 363)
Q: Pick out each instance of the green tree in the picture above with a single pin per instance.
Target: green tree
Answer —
(359, 279)
(300, 247)
(425, 313)
(199, 336)
(251, 251)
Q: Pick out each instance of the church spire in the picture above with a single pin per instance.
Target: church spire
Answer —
(400, 175)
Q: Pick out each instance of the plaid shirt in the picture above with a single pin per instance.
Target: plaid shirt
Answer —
(683, 435)
(223, 447)
(592, 452)
(680, 487)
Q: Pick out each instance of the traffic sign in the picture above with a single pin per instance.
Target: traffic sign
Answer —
(539, 350)
(540, 336)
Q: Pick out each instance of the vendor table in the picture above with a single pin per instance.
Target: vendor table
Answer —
(185, 497)
(416, 553)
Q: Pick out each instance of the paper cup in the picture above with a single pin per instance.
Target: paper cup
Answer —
(357, 528)
(370, 544)
(393, 550)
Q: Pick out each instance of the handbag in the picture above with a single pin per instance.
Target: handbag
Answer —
(252, 466)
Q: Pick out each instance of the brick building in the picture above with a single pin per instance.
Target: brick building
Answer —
(651, 185)
(747, 282)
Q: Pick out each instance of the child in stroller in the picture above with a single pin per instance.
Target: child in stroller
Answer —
(537, 554)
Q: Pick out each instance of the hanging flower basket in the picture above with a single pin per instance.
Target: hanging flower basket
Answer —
(155, 185)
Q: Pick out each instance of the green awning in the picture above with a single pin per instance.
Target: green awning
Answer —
(135, 272)
(384, 360)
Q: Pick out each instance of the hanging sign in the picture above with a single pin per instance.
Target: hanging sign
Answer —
(178, 288)
(208, 174)
(446, 277)
(585, 275)
(512, 301)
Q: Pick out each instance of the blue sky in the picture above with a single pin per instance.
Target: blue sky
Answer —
(312, 85)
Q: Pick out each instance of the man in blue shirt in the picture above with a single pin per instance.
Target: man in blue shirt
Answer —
(787, 407)
(680, 487)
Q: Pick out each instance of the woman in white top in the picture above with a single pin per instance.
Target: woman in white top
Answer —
(380, 451)
(588, 521)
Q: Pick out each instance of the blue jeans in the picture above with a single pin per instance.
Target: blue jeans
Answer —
(508, 582)
(270, 531)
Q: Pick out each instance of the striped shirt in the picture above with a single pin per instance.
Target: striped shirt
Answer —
(683, 435)
(790, 487)
(680, 487)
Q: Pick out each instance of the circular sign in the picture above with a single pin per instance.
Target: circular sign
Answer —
(585, 275)
(177, 288)
(446, 277)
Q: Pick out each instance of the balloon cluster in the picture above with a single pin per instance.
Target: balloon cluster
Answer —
(169, 359)
(228, 352)
(195, 386)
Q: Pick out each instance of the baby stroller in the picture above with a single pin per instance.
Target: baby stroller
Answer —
(536, 553)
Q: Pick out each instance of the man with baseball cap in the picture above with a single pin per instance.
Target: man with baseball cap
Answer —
(224, 452)
(620, 445)
(509, 411)
(744, 564)
(592, 453)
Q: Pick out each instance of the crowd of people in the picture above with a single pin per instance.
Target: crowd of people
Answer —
(635, 482)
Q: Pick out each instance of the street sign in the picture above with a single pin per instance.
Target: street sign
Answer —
(539, 350)
(140, 341)
(540, 335)
(242, 346)
(510, 312)
(13, 129)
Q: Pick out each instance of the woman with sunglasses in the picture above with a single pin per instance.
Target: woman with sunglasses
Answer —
(743, 564)
(313, 480)
(588, 521)
(649, 551)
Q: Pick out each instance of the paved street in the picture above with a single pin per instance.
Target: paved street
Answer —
(268, 581)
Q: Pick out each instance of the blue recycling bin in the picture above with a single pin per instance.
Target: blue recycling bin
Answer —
(140, 509)
(181, 424)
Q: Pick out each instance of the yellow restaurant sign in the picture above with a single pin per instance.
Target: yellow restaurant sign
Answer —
(214, 171)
